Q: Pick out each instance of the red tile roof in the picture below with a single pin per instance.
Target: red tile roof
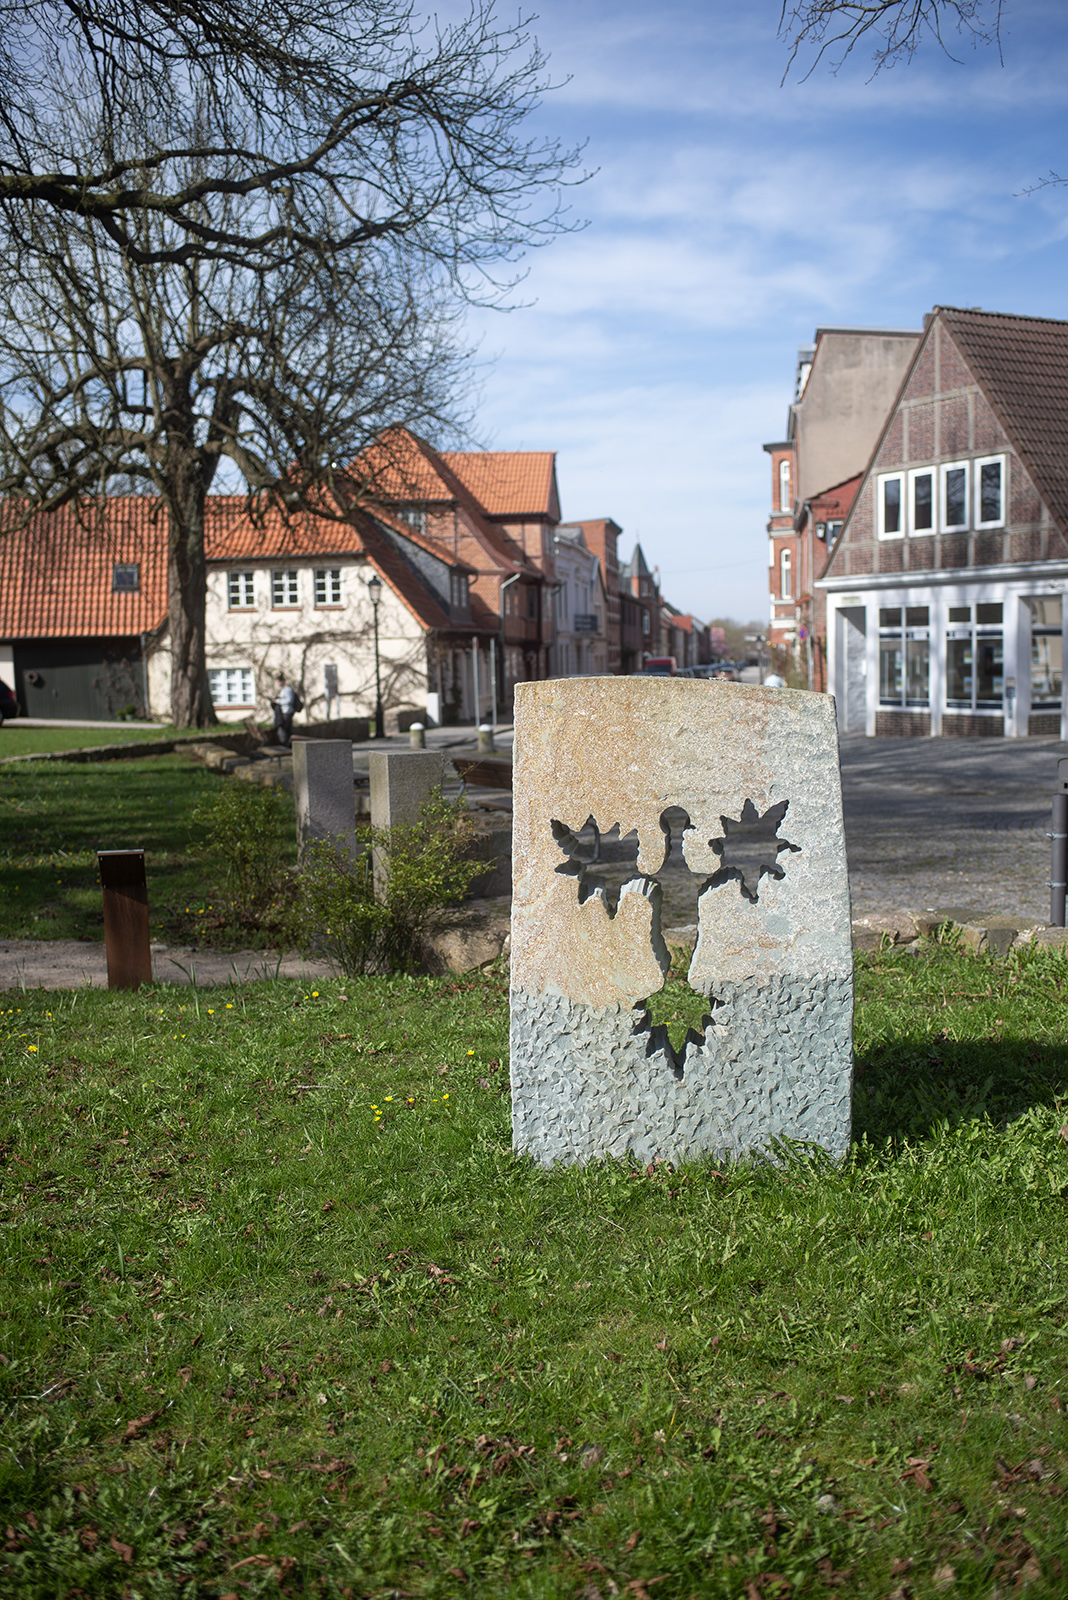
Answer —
(1022, 364)
(56, 573)
(509, 483)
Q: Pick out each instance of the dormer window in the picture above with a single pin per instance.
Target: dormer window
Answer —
(414, 516)
(126, 578)
(459, 591)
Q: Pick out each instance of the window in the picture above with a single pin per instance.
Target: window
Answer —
(989, 492)
(328, 586)
(232, 686)
(240, 590)
(458, 589)
(904, 656)
(785, 498)
(955, 496)
(921, 494)
(125, 578)
(285, 590)
(1047, 651)
(975, 658)
(414, 516)
(532, 603)
(784, 575)
(834, 528)
(891, 518)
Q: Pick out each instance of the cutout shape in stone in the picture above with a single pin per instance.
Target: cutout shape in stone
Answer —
(591, 845)
(750, 848)
(677, 1009)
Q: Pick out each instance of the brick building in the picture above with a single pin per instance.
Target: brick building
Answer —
(945, 589)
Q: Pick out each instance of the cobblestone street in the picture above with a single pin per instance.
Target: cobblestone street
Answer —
(930, 824)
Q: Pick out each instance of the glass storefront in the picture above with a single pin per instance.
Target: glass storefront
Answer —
(1047, 652)
(904, 656)
(975, 658)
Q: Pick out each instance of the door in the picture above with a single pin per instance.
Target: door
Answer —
(852, 671)
(93, 680)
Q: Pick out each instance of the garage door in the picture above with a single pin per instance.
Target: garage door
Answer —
(95, 680)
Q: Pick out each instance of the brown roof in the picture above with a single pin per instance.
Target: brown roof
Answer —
(509, 483)
(1022, 364)
(56, 573)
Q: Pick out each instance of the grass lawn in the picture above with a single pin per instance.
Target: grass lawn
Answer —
(54, 816)
(18, 741)
(283, 1313)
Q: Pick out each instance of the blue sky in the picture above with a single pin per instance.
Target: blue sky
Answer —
(728, 218)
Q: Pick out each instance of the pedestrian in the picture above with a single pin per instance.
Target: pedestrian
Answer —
(285, 704)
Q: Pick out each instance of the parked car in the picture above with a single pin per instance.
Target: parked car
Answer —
(660, 667)
(723, 669)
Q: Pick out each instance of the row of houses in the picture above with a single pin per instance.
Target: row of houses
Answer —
(482, 586)
(918, 535)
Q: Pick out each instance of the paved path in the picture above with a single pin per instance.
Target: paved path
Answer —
(70, 963)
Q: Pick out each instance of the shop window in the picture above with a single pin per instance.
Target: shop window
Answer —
(989, 492)
(285, 588)
(891, 520)
(1047, 651)
(955, 496)
(240, 591)
(904, 656)
(975, 668)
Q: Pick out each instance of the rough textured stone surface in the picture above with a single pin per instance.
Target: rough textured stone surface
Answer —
(323, 791)
(401, 782)
(600, 1081)
(747, 779)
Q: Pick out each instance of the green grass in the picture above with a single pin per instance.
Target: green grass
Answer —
(54, 816)
(18, 741)
(283, 1313)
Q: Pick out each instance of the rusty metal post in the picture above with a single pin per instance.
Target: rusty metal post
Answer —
(122, 880)
(1058, 878)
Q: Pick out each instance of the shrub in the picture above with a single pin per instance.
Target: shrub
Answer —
(248, 828)
(429, 870)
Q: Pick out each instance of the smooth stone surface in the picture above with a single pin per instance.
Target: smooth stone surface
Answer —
(773, 952)
(323, 792)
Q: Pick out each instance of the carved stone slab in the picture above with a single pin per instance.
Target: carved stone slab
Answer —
(747, 781)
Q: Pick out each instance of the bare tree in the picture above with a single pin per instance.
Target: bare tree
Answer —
(832, 29)
(261, 266)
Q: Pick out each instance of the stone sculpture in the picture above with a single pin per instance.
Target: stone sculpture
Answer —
(750, 776)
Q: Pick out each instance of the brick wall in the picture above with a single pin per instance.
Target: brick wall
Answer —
(903, 724)
(966, 725)
(1044, 723)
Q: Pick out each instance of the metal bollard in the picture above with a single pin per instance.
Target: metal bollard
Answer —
(1058, 878)
(485, 738)
(417, 736)
(125, 891)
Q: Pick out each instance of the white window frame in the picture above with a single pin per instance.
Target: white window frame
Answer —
(923, 472)
(785, 497)
(977, 481)
(285, 589)
(242, 680)
(944, 524)
(327, 586)
(241, 591)
(880, 491)
(785, 571)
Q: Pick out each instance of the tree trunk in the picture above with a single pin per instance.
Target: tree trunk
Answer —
(187, 581)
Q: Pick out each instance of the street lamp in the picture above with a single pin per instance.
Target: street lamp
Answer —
(374, 589)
